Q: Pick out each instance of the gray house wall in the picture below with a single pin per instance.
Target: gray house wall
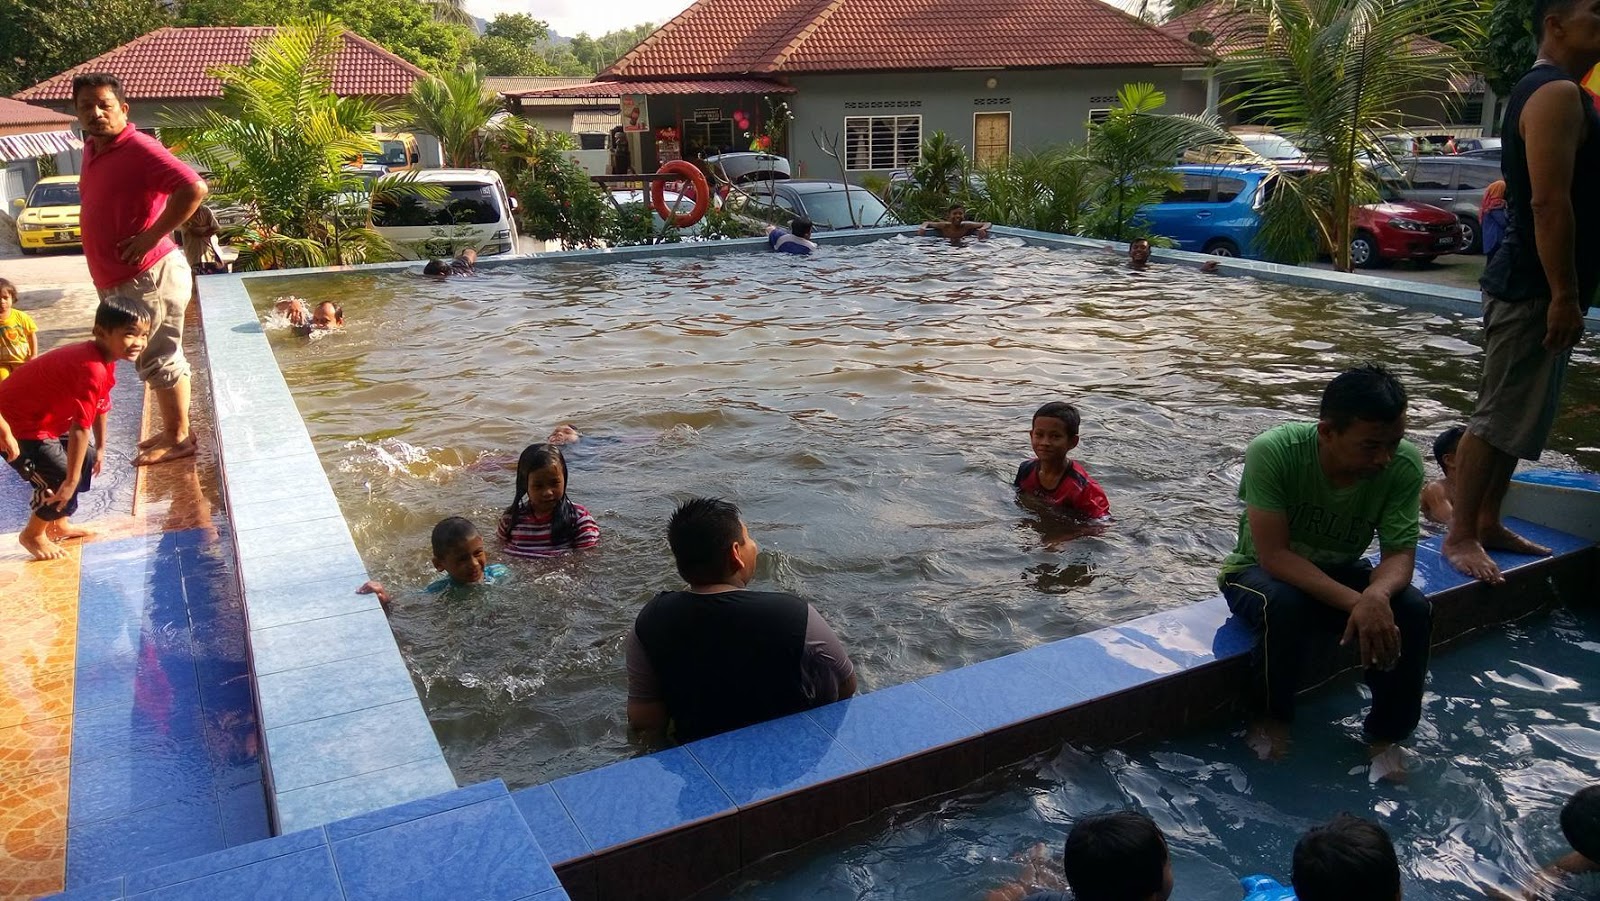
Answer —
(1047, 107)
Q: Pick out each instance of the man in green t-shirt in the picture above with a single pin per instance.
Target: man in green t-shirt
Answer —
(1315, 494)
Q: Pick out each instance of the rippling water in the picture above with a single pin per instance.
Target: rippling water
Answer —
(866, 408)
(1511, 728)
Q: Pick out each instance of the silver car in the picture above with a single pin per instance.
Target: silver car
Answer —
(1454, 183)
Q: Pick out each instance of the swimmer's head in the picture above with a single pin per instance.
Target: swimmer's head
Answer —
(327, 315)
(1348, 857)
(800, 227)
(1444, 448)
(564, 434)
(458, 550)
(436, 267)
(958, 214)
(1054, 432)
(1580, 822)
(1115, 856)
(1138, 252)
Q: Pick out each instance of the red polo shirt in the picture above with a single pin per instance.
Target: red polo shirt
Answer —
(124, 188)
(68, 386)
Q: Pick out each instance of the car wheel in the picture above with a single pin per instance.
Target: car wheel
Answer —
(1471, 236)
(1222, 247)
(1364, 251)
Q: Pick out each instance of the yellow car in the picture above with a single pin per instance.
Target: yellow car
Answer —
(49, 217)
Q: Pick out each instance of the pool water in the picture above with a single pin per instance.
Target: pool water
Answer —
(866, 408)
(1510, 729)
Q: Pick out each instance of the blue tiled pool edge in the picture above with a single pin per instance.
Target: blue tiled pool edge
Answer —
(735, 798)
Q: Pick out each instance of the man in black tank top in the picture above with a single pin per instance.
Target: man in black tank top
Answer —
(718, 656)
(1538, 283)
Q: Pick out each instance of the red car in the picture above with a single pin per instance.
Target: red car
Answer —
(1403, 230)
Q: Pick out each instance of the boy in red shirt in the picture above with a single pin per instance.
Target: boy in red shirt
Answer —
(47, 411)
(1051, 476)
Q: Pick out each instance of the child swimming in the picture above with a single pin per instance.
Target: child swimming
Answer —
(457, 553)
(1438, 497)
(1052, 476)
(542, 521)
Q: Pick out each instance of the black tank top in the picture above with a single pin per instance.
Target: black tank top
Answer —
(1514, 271)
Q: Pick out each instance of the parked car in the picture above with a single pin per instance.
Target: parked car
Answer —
(396, 153)
(1454, 183)
(1257, 144)
(48, 216)
(680, 203)
(744, 167)
(475, 212)
(1218, 211)
(825, 203)
(1478, 146)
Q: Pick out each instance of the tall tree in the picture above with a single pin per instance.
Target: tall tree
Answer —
(514, 44)
(41, 38)
(596, 53)
(1510, 48)
(407, 28)
(455, 108)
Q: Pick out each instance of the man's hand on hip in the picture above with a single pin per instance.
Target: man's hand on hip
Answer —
(1372, 623)
(1564, 326)
(133, 250)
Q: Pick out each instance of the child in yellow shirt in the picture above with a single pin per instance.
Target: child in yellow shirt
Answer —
(18, 341)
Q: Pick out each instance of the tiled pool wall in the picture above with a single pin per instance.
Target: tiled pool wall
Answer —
(345, 733)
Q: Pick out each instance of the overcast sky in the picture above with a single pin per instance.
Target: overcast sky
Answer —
(569, 17)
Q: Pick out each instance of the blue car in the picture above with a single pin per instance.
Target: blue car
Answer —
(1217, 211)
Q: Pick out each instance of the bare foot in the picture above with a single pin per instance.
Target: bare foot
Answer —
(42, 548)
(166, 453)
(1469, 558)
(159, 438)
(1269, 740)
(1390, 763)
(60, 530)
(1503, 539)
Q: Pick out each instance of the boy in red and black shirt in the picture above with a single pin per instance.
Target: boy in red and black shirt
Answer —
(47, 411)
(1051, 476)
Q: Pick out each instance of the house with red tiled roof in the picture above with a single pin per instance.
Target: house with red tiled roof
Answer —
(870, 79)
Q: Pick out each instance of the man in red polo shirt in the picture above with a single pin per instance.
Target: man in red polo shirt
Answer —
(135, 193)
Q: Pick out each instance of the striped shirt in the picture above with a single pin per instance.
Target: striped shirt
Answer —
(531, 537)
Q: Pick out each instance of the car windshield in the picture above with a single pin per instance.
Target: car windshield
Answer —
(829, 209)
(463, 205)
(391, 153)
(54, 195)
(1273, 147)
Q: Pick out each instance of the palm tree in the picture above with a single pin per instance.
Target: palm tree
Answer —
(279, 147)
(452, 12)
(1336, 74)
(456, 109)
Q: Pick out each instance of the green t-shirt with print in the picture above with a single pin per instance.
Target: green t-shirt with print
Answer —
(1328, 525)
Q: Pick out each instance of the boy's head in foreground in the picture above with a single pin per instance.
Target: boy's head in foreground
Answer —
(710, 543)
(458, 550)
(1444, 449)
(1119, 856)
(1346, 858)
(121, 330)
(1054, 432)
(801, 227)
(1580, 822)
(1361, 422)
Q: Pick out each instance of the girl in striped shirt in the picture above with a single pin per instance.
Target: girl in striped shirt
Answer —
(542, 521)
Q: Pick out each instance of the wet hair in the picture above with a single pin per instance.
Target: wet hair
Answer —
(1446, 443)
(801, 227)
(956, 206)
(117, 312)
(338, 311)
(450, 533)
(436, 267)
(1369, 393)
(1063, 411)
(1118, 856)
(564, 524)
(7, 288)
(1580, 822)
(1133, 241)
(92, 80)
(1347, 857)
(1541, 8)
(700, 532)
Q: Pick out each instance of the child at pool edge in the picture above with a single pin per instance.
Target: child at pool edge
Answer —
(18, 332)
(1051, 475)
(458, 553)
(1116, 856)
(1438, 497)
(1580, 824)
(542, 521)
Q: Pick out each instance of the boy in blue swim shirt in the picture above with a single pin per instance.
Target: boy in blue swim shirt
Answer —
(457, 553)
(797, 240)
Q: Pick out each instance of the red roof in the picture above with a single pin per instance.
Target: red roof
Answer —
(767, 37)
(15, 115)
(613, 89)
(171, 64)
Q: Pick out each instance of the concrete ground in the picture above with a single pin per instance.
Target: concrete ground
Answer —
(54, 288)
(1453, 270)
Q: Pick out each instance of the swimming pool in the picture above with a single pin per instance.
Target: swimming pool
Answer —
(1509, 731)
(866, 408)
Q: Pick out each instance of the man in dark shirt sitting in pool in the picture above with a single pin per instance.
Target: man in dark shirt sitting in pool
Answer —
(719, 656)
(464, 263)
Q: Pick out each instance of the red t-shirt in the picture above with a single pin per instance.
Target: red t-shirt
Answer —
(124, 188)
(55, 391)
(1077, 493)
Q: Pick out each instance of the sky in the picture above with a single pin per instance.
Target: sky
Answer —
(569, 17)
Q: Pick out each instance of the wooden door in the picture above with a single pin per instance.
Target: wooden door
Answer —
(991, 138)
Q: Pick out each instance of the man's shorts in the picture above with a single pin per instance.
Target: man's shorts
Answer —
(163, 292)
(43, 465)
(1521, 383)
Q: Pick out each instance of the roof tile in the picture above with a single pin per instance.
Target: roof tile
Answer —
(14, 114)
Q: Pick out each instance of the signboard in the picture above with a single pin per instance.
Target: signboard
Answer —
(635, 116)
(713, 114)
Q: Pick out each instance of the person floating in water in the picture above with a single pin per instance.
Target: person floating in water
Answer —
(457, 553)
(1116, 856)
(1315, 494)
(1053, 477)
(1139, 257)
(1438, 497)
(464, 263)
(305, 318)
(956, 227)
(797, 240)
(1580, 825)
(542, 521)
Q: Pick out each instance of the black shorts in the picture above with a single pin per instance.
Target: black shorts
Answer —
(43, 465)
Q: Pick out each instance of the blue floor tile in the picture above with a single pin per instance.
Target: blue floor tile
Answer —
(110, 787)
(243, 812)
(1580, 481)
(773, 758)
(302, 876)
(320, 641)
(893, 723)
(202, 865)
(1193, 634)
(349, 744)
(483, 850)
(110, 890)
(443, 802)
(135, 722)
(330, 801)
(298, 695)
(1433, 574)
(639, 797)
(552, 826)
(554, 894)
(1093, 664)
(150, 837)
(996, 692)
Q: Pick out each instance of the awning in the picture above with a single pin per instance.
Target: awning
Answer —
(39, 143)
(654, 88)
(592, 122)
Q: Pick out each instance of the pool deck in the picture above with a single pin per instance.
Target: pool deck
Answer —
(167, 729)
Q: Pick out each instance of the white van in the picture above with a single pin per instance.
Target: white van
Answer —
(476, 213)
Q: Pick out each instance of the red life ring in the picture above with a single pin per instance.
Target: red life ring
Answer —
(699, 188)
